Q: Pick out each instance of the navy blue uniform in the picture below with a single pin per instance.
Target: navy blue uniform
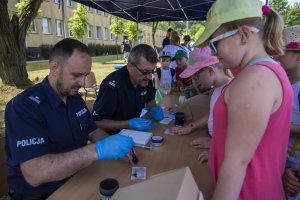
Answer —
(38, 122)
(119, 100)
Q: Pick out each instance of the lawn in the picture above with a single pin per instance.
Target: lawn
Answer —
(37, 71)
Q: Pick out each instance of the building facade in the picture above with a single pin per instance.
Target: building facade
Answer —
(51, 25)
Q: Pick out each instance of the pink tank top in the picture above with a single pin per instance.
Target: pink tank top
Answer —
(264, 172)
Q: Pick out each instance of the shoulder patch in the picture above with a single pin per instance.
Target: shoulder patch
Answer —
(112, 83)
(35, 99)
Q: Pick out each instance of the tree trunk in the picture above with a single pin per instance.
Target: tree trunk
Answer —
(12, 44)
(154, 28)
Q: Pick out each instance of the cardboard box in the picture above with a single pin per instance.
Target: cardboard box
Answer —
(173, 185)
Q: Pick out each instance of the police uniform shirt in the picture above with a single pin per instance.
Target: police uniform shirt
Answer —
(38, 122)
(118, 99)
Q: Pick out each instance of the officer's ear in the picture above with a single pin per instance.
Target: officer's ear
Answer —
(54, 68)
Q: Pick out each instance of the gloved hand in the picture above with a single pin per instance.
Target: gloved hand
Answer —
(156, 112)
(140, 124)
(114, 147)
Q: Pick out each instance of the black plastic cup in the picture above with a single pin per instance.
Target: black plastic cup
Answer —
(107, 188)
(179, 119)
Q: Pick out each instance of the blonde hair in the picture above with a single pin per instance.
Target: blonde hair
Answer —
(270, 26)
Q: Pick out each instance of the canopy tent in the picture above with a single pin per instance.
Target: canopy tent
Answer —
(153, 10)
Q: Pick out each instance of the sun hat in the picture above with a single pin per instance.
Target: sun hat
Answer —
(223, 11)
(199, 58)
(180, 54)
(291, 37)
(165, 54)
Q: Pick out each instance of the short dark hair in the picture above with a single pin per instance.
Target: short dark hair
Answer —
(169, 30)
(65, 48)
(142, 50)
(187, 38)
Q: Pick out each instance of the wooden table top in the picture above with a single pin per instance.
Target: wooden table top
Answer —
(176, 152)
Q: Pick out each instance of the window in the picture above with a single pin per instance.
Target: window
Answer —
(46, 26)
(33, 26)
(70, 32)
(59, 27)
(98, 32)
(56, 1)
(90, 31)
(89, 9)
(98, 12)
(112, 36)
(105, 33)
(69, 3)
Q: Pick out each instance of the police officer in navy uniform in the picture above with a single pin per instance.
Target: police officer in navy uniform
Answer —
(48, 126)
(125, 92)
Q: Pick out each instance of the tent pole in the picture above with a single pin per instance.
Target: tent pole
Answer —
(186, 27)
(137, 31)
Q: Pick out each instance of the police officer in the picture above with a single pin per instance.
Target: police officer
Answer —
(48, 126)
(125, 92)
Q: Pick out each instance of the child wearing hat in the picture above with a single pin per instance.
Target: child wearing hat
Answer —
(164, 77)
(205, 71)
(251, 121)
(181, 58)
(291, 63)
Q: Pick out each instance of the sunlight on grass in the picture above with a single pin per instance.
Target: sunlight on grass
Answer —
(102, 66)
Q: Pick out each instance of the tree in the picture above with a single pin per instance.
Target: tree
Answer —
(280, 6)
(79, 21)
(117, 27)
(195, 30)
(12, 44)
(293, 15)
(154, 28)
(133, 32)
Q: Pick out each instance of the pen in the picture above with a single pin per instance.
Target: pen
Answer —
(134, 157)
(148, 147)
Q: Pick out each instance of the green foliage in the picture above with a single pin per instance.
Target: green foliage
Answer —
(280, 6)
(195, 30)
(293, 15)
(133, 33)
(21, 6)
(117, 26)
(79, 22)
(99, 50)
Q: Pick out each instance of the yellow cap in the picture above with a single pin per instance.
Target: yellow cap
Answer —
(223, 11)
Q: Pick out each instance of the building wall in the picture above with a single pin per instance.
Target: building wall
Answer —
(52, 12)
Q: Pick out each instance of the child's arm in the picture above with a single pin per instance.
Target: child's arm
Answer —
(249, 111)
(157, 85)
(191, 126)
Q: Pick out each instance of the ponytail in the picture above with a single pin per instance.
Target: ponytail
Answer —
(272, 36)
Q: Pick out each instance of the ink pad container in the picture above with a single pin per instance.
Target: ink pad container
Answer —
(157, 140)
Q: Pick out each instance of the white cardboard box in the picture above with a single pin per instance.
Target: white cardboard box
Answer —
(172, 185)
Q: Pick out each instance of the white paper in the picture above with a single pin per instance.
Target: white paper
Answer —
(139, 137)
(165, 121)
(138, 173)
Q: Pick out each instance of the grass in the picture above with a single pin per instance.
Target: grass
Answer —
(37, 71)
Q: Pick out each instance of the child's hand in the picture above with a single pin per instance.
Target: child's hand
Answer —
(291, 182)
(201, 142)
(181, 130)
(203, 157)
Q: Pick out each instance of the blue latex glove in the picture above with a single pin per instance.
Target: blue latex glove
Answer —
(114, 147)
(156, 113)
(140, 124)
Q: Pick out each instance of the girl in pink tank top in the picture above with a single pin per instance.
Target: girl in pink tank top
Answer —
(252, 116)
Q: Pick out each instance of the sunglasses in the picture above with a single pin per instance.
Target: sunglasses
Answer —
(213, 42)
(144, 72)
